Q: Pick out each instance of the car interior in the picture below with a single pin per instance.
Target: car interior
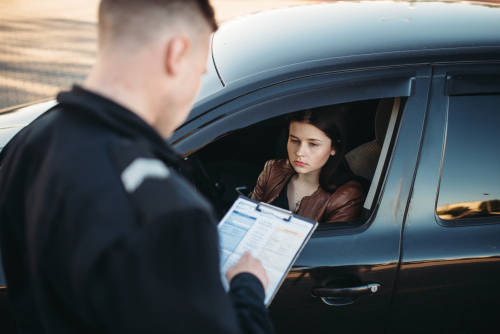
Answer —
(230, 166)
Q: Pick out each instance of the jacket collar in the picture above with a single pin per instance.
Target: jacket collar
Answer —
(116, 117)
(282, 172)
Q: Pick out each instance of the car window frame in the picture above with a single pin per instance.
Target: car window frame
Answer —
(348, 86)
(281, 91)
(464, 82)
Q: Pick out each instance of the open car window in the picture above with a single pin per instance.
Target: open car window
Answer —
(231, 143)
(233, 163)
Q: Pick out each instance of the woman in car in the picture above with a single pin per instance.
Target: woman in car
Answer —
(315, 181)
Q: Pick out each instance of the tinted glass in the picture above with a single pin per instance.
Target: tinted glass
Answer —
(470, 180)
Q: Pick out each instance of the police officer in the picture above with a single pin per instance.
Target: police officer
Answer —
(97, 234)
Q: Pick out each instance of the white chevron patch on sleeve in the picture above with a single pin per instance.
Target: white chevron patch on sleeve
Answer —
(141, 169)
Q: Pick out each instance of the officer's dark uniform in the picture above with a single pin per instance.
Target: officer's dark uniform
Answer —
(98, 235)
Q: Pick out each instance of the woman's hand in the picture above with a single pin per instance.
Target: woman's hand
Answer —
(248, 264)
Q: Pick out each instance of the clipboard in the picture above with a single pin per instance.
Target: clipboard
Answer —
(274, 235)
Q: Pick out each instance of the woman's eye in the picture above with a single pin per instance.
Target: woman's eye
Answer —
(294, 141)
(313, 144)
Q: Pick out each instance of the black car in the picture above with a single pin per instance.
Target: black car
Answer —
(419, 84)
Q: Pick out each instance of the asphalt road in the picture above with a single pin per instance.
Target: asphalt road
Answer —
(47, 46)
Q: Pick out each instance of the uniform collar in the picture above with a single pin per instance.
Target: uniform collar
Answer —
(118, 118)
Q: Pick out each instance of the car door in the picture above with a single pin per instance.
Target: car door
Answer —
(449, 281)
(350, 269)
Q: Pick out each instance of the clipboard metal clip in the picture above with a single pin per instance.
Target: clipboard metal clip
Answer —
(277, 212)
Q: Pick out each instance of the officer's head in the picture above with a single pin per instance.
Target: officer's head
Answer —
(157, 50)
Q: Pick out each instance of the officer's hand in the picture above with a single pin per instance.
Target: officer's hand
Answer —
(248, 264)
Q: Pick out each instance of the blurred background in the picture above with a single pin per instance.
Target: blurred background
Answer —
(46, 46)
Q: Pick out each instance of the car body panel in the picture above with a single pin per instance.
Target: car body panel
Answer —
(369, 256)
(278, 38)
(449, 276)
(342, 86)
(286, 73)
(210, 81)
(384, 34)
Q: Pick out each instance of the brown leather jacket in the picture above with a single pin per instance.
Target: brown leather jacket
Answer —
(344, 204)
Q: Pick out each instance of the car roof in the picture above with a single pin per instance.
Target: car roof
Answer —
(284, 37)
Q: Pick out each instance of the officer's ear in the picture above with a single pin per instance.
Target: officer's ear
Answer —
(176, 54)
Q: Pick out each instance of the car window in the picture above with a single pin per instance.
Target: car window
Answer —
(230, 140)
(234, 162)
(470, 182)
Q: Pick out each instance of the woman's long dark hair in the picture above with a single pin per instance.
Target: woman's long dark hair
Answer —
(328, 119)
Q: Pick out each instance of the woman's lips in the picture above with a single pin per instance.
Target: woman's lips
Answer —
(300, 163)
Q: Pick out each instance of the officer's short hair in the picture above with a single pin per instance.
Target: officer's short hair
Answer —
(139, 20)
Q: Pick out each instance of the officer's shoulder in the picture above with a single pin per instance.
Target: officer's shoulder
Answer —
(156, 189)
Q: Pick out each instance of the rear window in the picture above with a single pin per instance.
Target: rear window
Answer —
(470, 177)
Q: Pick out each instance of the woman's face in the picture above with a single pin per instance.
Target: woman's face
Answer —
(308, 147)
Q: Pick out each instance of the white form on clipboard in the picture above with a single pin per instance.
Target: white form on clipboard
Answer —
(273, 235)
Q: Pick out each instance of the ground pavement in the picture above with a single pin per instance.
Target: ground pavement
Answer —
(46, 46)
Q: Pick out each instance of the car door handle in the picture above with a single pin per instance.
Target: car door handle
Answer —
(345, 292)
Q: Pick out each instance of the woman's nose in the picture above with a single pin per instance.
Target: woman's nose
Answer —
(300, 150)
